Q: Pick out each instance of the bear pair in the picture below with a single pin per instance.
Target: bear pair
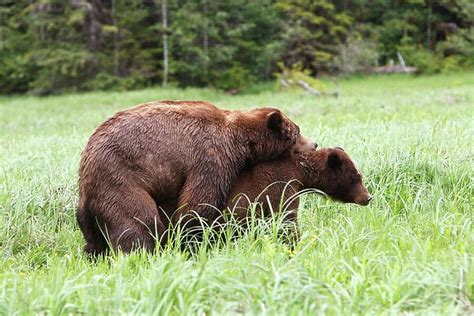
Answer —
(183, 158)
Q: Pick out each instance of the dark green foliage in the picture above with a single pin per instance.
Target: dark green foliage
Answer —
(314, 30)
(53, 46)
(16, 69)
(426, 32)
(225, 44)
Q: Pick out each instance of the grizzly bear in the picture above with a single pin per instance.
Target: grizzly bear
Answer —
(185, 150)
(329, 170)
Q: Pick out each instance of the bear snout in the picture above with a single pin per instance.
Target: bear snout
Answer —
(364, 200)
(304, 144)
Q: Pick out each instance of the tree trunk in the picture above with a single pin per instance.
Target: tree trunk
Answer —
(164, 14)
(1, 32)
(116, 46)
(35, 9)
(428, 26)
(206, 37)
(92, 26)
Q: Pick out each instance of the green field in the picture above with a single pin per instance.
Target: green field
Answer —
(410, 251)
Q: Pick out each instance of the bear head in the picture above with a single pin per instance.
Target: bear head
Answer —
(271, 133)
(332, 171)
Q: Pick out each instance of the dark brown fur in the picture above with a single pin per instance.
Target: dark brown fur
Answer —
(183, 150)
(329, 170)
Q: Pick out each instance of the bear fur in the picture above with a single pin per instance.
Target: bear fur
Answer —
(184, 150)
(330, 170)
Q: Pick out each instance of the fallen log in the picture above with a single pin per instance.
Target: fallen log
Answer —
(308, 88)
(394, 69)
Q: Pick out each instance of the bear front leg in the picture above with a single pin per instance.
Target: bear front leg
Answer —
(202, 198)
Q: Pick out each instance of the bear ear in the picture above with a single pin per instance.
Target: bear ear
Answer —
(340, 148)
(334, 161)
(274, 120)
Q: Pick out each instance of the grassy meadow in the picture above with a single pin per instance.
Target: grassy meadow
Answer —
(410, 251)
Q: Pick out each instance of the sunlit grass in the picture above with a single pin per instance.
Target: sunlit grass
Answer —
(411, 250)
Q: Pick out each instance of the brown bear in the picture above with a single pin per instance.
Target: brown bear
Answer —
(185, 150)
(330, 170)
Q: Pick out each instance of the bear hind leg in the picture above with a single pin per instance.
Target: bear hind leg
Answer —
(141, 227)
(95, 240)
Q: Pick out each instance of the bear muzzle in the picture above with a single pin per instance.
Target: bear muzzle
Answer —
(364, 200)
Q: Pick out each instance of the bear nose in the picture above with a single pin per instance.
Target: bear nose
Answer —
(369, 198)
(315, 145)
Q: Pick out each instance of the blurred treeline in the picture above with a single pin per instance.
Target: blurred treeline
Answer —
(51, 46)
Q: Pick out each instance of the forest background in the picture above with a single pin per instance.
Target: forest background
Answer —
(56, 46)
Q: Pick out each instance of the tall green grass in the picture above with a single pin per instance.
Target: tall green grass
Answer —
(410, 251)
